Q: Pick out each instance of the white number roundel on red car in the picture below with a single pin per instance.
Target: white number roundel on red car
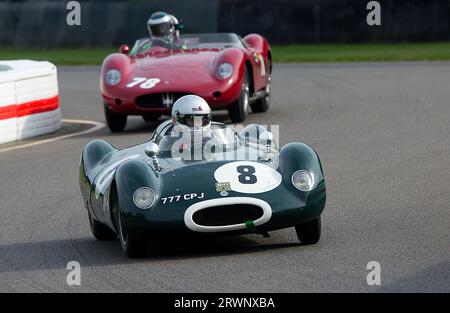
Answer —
(248, 177)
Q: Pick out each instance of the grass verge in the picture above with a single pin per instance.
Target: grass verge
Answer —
(281, 54)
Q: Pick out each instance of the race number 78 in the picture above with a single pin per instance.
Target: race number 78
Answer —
(144, 82)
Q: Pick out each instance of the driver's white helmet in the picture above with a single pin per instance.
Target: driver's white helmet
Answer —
(191, 113)
(161, 26)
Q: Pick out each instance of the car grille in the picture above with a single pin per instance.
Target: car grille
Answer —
(158, 100)
(227, 215)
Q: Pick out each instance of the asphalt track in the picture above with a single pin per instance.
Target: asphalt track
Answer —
(382, 131)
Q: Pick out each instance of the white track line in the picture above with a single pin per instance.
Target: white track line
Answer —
(97, 126)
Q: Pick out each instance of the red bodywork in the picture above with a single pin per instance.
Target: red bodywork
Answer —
(183, 72)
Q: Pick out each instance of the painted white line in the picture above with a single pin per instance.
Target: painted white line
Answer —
(96, 126)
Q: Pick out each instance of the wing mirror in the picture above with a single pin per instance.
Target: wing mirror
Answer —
(152, 150)
(124, 49)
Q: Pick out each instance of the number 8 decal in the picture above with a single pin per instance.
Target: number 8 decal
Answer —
(246, 176)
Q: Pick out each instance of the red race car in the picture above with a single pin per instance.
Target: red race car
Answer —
(228, 71)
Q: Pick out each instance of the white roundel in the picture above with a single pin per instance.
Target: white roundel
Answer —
(248, 177)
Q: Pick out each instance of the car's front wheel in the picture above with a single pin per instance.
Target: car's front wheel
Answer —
(133, 246)
(309, 232)
(238, 110)
(116, 122)
(100, 231)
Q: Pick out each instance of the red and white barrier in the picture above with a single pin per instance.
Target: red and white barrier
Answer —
(29, 99)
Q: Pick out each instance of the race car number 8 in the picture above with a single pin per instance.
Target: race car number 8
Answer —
(144, 82)
(248, 177)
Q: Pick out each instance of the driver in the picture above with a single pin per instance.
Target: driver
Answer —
(163, 29)
(191, 113)
(191, 125)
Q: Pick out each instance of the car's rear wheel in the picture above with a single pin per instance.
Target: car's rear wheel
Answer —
(309, 232)
(238, 110)
(151, 117)
(116, 121)
(133, 246)
(263, 104)
(100, 231)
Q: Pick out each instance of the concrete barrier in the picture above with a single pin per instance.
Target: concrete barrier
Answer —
(29, 99)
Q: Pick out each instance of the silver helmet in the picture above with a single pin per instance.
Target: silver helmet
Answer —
(161, 26)
(191, 113)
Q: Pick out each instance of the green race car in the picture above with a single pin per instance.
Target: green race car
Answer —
(227, 182)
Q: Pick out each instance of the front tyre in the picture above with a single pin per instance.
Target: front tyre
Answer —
(116, 121)
(238, 110)
(309, 232)
(132, 245)
(100, 231)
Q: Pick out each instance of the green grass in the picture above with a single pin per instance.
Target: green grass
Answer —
(362, 52)
(285, 54)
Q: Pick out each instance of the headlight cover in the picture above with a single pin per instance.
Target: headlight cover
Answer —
(303, 180)
(113, 77)
(225, 70)
(144, 198)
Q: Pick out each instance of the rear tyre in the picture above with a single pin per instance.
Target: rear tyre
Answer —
(263, 104)
(238, 110)
(116, 121)
(151, 117)
(100, 231)
(309, 233)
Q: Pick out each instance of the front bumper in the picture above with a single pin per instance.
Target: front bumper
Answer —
(281, 212)
(219, 95)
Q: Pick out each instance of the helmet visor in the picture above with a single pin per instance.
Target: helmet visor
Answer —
(194, 120)
(160, 30)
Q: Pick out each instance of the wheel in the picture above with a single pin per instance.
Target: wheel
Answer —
(116, 121)
(263, 104)
(309, 233)
(132, 245)
(238, 110)
(100, 231)
(151, 117)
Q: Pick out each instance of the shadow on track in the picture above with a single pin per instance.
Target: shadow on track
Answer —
(55, 254)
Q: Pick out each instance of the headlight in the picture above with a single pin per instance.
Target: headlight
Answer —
(144, 198)
(113, 77)
(225, 70)
(303, 180)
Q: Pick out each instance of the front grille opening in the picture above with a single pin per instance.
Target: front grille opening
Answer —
(158, 100)
(227, 215)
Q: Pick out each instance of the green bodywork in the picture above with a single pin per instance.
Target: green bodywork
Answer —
(192, 181)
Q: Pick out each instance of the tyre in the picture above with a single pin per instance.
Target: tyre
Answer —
(100, 231)
(151, 117)
(309, 233)
(238, 110)
(132, 245)
(116, 122)
(263, 104)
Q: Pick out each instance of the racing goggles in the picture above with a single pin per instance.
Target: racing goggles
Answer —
(194, 120)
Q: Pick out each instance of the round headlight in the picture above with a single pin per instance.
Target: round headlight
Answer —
(113, 77)
(144, 198)
(225, 70)
(303, 180)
